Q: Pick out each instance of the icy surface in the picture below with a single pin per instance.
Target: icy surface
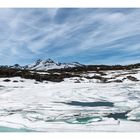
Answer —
(69, 106)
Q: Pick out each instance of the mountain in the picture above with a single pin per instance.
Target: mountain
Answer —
(17, 66)
(49, 64)
(44, 65)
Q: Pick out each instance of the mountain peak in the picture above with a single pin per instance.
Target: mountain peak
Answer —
(49, 60)
(38, 61)
(44, 65)
(47, 64)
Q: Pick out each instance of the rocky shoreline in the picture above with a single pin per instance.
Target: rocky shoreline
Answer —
(58, 75)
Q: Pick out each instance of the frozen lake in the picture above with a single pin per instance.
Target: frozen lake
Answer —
(66, 106)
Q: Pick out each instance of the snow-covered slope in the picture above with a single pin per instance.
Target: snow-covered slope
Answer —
(44, 65)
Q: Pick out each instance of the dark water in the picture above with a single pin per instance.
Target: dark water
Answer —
(122, 115)
(89, 104)
(83, 120)
(89, 119)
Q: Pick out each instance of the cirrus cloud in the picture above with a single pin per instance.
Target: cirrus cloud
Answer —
(92, 35)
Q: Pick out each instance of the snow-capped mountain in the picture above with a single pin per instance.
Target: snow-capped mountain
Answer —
(17, 66)
(50, 64)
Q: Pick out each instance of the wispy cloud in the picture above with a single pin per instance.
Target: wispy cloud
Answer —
(107, 36)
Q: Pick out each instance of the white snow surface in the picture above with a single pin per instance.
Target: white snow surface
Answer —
(46, 107)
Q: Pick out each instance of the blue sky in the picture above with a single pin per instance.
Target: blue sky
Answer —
(89, 36)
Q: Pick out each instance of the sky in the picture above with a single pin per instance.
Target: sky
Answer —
(88, 36)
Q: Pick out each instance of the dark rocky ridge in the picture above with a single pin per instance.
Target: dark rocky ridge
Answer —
(86, 68)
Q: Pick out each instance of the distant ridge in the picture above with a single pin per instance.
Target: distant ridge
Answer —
(51, 65)
(56, 72)
(44, 65)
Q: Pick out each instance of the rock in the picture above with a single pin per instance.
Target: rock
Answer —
(102, 79)
(118, 81)
(15, 81)
(7, 80)
(132, 78)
